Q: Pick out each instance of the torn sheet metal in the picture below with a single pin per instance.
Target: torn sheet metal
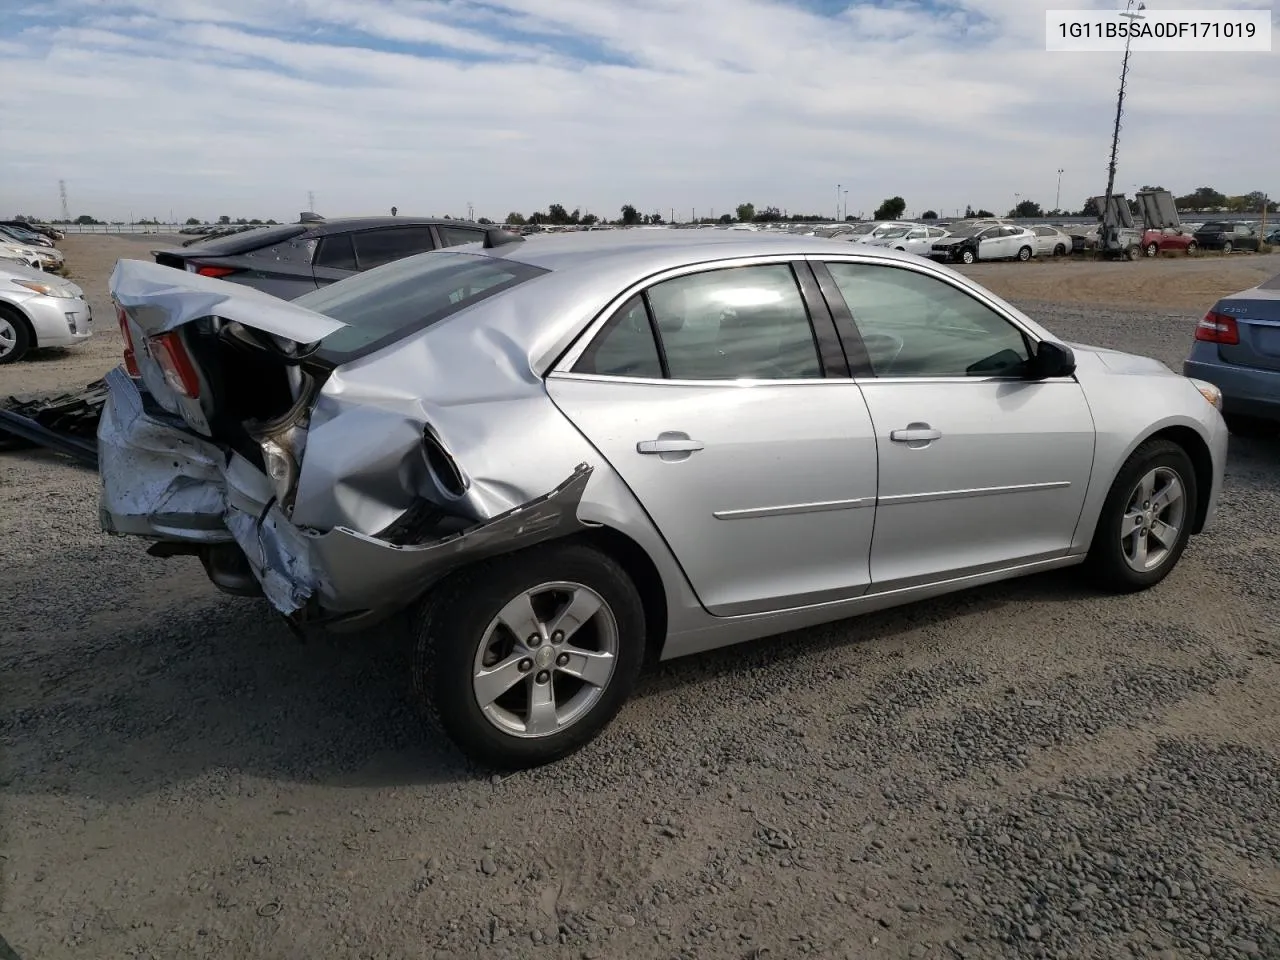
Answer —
(156, 481)
(348, 572)
(159, 298)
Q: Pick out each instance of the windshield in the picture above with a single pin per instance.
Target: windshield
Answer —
(390, 302)
(862, 228)
(895, 233)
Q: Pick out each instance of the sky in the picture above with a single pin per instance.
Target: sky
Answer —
(160, 108)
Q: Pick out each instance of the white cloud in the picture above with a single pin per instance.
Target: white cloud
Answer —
(240, 107)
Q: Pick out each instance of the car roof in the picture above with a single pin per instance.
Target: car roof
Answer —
(642, 253)
(343, 224)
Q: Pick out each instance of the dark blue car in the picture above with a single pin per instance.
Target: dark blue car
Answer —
(1237, 349)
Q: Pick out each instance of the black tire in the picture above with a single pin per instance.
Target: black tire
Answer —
(23, 339)
(1060, 250)
(1132, 252)
(452, 621)
(1024, 254)
(1106, 563)
(1152, 249)
(1192, 248)
(1227, 248)
(1251, 427)
(968, 256)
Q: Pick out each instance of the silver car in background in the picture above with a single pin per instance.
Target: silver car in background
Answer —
(558, 457)
(915, 238)
(39, 310)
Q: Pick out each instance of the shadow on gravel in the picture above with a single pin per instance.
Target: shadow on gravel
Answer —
(1062, 586)
(218, 686)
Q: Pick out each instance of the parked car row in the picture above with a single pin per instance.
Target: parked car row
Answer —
(18, 244)
(38, 310)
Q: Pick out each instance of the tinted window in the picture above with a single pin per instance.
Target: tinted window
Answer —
(742, 322)
(384, 305)
(916, 325)
(1045, 231)
(376, 247)
(624, 347)
(336, 252)
(452, 236)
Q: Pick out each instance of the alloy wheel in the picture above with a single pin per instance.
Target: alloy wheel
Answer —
(8, 337)
(1153, 519)
(545, 659)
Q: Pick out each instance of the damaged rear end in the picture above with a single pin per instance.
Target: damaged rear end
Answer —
(230, 434)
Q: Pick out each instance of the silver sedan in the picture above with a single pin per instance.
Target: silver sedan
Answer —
(556, 458)
(38, 310)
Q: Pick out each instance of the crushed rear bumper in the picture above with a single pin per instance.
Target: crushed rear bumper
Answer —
(163, 483)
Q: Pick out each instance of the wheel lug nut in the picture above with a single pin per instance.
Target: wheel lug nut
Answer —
(535, 640)
(543, 676)
(562, 660)
(525, 665)
(557, 637)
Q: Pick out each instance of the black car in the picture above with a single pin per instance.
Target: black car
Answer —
(1220, 235)
(296, 258)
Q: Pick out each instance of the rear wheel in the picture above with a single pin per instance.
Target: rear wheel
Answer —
(1024, 254)
(1192, 247)
(1146, 520)
(968, 256)
(1060, 250)
(15, 336)
(1226, 247)
(524, 659)
(1152, 249)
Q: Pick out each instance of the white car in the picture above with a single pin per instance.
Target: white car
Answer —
(1051, 242)
(871, 230)
(917, 239)
(39, 310)
(18, 253)
(998, 242)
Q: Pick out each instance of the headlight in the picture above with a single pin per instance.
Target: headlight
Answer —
(1209, 392)
(47, 289)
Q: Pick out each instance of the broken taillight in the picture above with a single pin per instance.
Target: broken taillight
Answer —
(215, 272)
(1218, 328)
(175, 363)
(130, 356)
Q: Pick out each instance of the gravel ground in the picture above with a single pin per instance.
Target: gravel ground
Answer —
(1025, 770)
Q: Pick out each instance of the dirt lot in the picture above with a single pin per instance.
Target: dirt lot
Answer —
(1026, 770)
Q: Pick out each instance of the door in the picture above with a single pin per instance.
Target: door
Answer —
(746, 443)
(451, 235)
(980, 469)
(1246, 237)
(991, 244)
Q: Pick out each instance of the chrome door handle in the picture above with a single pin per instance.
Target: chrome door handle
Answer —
(915, 435)
(669, 446)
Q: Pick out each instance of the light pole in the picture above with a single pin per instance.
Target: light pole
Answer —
(1016, 198)
(1115, 134)
(844, 211)
(1057, 197)
(837, 201)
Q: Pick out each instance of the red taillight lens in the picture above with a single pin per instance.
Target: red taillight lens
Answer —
(130, 355)
(215, 272)
(179, 372)
(1218, 328)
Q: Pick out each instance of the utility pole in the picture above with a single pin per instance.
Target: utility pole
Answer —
(66, 209)
(837, 201)
(1115, 134)
(844, 211)
(1057, 197)
(311, 201)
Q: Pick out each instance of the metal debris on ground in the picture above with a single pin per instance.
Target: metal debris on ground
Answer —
(65, 422)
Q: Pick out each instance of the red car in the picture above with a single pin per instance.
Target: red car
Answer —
(1170, 238)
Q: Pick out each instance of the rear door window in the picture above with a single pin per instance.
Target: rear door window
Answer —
(451, 236)
(377, 247)
(336, 252)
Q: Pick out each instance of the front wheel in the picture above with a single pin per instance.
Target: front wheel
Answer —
(1024, 254)
(1060, 250)
(1226, 247)
(1146, 520)
(968, 256)
(526, 658)
(1152, 249)
(15, 338)
(1192, 247)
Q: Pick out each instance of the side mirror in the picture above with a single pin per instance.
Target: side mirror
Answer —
(1051, 360)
